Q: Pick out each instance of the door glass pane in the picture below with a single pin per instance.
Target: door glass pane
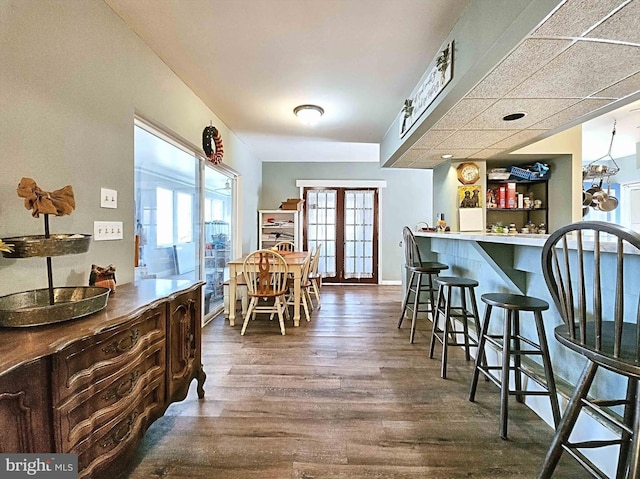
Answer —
(218, 189)
(167, 218)
(321, 228)
(177, 206)
(358, 234)
(185, 218)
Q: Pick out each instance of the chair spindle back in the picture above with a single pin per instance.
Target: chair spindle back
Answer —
(584, 268)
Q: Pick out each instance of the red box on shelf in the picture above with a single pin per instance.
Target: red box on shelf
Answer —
(511, 195)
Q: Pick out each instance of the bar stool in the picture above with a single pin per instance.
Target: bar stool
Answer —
(448, 336)
(510, 342)
(416, 285)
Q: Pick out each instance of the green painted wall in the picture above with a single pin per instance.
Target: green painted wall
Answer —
(73, 78)
(406, 200)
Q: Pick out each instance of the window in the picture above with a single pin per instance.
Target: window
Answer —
(164, 220)
(184, 218)
(184, 214)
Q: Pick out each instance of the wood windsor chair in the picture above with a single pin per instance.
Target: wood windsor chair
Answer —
(593, 281)
(265, 272)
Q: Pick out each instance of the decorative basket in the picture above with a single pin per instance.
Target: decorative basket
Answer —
(521, 173)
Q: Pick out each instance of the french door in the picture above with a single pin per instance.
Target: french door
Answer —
(345, 222)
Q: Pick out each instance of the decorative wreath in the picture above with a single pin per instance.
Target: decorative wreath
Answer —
(212, 144)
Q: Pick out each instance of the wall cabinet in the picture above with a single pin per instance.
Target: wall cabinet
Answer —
(278, 225)
(98, 383)
(520, 214)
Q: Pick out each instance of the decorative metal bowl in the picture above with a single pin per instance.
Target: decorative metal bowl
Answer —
(32, 308)
(54, 245)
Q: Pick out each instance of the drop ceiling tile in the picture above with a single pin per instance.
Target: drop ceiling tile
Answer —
(536, 109)
(575, 17)
(428, 164)
(583, 69)
(458, 153)
(519, 139)
(477, 139)
(527, 58)
(432, 138)
(623, 88)
(465, 110)
(572, 113)
(398, 165)
(411, 155)
(431, 158)
(624, 26)
(486, 154)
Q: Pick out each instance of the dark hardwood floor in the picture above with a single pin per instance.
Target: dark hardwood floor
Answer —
(343, 396)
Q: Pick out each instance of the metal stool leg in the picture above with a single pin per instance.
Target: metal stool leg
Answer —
(434, 329)
(517, 360)
(416, 301)
(465, 324)
(504, 388)
(431, 298)
(445, 334)
(481, 355)
(548, 371)
(405, 301)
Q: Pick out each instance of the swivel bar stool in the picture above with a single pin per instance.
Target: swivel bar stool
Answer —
(511, 343)
(416, 286)
(449, 334)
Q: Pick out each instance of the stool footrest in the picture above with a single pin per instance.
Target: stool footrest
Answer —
(498, 342)
(541, 382)
(513, 392)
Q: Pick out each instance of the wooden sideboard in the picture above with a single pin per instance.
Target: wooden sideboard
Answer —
(92, 386)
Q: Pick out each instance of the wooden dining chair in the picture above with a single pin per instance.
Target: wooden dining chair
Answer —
(265, 272)
(315, 277)
(593, 281)
(285, 246)
(305, 286)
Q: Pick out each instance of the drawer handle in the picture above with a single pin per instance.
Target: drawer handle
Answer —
(119, 391)
(121, 432)
(121, 345)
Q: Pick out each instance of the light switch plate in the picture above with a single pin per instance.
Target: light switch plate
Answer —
(107, 230)
(108, 198)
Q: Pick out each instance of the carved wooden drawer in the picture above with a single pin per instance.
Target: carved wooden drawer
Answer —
(24, 399)
(184, 338)
(122, 433)
(88, 363)
(93, 407)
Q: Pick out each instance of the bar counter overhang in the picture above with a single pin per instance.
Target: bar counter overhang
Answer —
(513, 264)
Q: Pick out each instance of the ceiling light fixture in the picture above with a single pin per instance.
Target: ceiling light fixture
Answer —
(309, 114)
(514, 116)
(446, 156)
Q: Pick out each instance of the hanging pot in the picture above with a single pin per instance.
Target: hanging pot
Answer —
(585, 210)
(587, 198)
(610, 203)
(594, 188)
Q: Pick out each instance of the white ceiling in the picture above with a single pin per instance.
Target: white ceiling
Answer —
(253, 61)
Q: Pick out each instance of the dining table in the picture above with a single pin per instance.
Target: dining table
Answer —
(294, 260)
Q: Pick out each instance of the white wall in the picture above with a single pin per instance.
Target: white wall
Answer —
(72, 78)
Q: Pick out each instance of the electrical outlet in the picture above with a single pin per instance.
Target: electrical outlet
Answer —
(107, 230)
(108, 198)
